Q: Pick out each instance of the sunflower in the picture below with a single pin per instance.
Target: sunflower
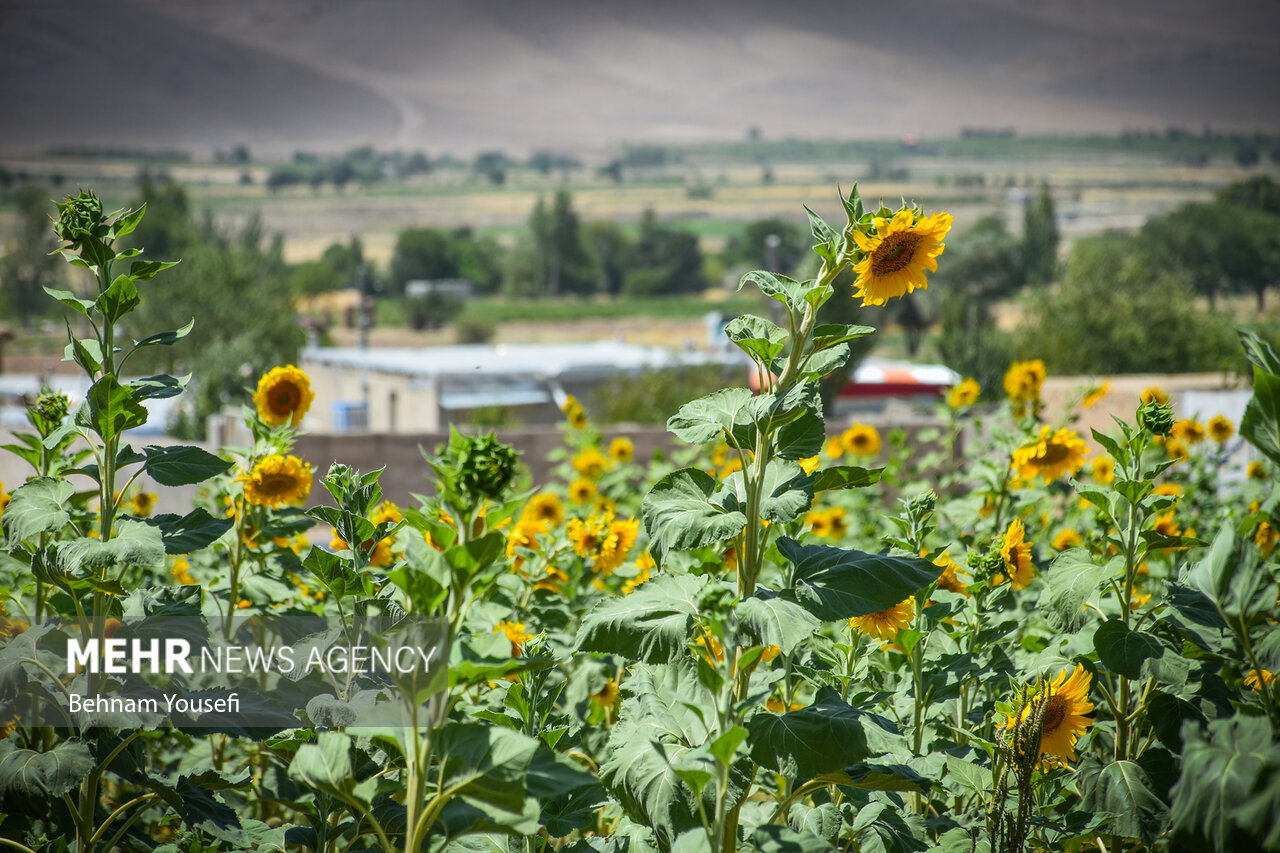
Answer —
(182, 572)
(809, 465)
(1154, 394)
(885, 624)
(544, 508)
(834, 448)
(608, 695)
(1066, 538)
(1220, 428)
(581, 491)
(1051, 455)
(515, 632)
(622, 536)
(588, 536)
(1257, 471)
(1266, 537)
(1259, 679)
(1095, 395)
(554, 581)
(1063, 719)
(284, 394)
(828, 523)
(1176, 448)
(950, 577)
(1104, 469)
(896, 256)
(1016, 552)
(5, 497)
(523, 536)
(590, 463)
(1168, 490)
(1022, 382)
(622, 449)
(142, 503)
(1189, 431)
(574, 413)
(379, 556)
(641, 577)
(277, 481)
(861, 440)
(964, 393)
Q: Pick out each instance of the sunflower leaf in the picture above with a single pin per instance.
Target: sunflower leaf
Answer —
(678, 513)
(832, 583)
(183, 465)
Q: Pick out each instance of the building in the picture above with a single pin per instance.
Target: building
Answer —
(424, 390)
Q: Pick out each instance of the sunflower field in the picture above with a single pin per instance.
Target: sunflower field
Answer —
(784, 637)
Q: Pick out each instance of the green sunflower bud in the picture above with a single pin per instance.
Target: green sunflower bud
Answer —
(79, 216)
(1156, 418)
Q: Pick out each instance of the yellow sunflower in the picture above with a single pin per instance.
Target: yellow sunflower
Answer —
(277, 481)
(1257, 471)
(1154, 394)
(1016, 552)
(1259, 680)
(1022, 382)
(951, 571)
(1066, 538)
(182, 572)
(965, 393)
(810, 464)
(1104, 469)
(379, 556)
(641, 576)
(608, 695)
(581, 491)
(1063, 720)
(622, 449)
(1051, 455)
(885, 624)
(590, 463)
(861, 440)
(515, 632)
(834, 448)
(523, 535)
(1095, 395)
(1189, 431)
(897, 254)
(574, 413)
(544, 508)
(1266, 537)
(284, 394)
(1220, 428)
(142, 503)
(5, 497)
(622, 535)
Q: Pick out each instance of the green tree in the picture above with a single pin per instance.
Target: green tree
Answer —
(609, 247)
(663, 261)
(750, 246)
(27, 267)
(552, 260)
(168, 226)
(422, 253)
(1258, 193)
(1040, 239)
(1111, 314)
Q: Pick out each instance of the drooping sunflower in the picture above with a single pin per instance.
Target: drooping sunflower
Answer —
(950, 577)
(284, 394)
(964, 393)
(622, 449)
(861, 440)
(897, 254)
(1051, 455)
(885, 624)
(544, 508)
(1063, 720)
(277, 481)
(1016, 552)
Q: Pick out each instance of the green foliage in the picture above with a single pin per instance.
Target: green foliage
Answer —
(648, 398)
(753, 248)
(1040, 239)
(29, 265)
(1109, 315)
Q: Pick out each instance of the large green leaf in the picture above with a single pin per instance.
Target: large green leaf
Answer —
(488, 767)
(1231, 576)
(833, 583)
(1123, 788)
(118, 299)
(756, 336)
(729, 410)
(38, 506)
(325, 765)
(1229, 791)
(1073, 579)
(657, 737)
(776, 621)
(652, 624)
(1123, 650)
(794, 294)
(801, 438)
(678, 513)
(47, 775)
(111, 409)
(825, 737)
(1260, 425)
(133, 543)
(186, 534)
(784, 839)
(182, 465)
(786, 494)
(845, 477)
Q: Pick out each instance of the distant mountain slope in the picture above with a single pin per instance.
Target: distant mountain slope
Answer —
(468, 74)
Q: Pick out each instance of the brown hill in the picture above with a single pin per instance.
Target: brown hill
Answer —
(581, 75)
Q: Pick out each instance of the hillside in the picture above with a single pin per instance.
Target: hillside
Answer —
(460, 76)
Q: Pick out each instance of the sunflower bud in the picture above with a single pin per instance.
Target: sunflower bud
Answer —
(1156, 418)
(79, 216)
(482, 467)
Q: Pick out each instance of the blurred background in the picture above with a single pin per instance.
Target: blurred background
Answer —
(463, 212)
